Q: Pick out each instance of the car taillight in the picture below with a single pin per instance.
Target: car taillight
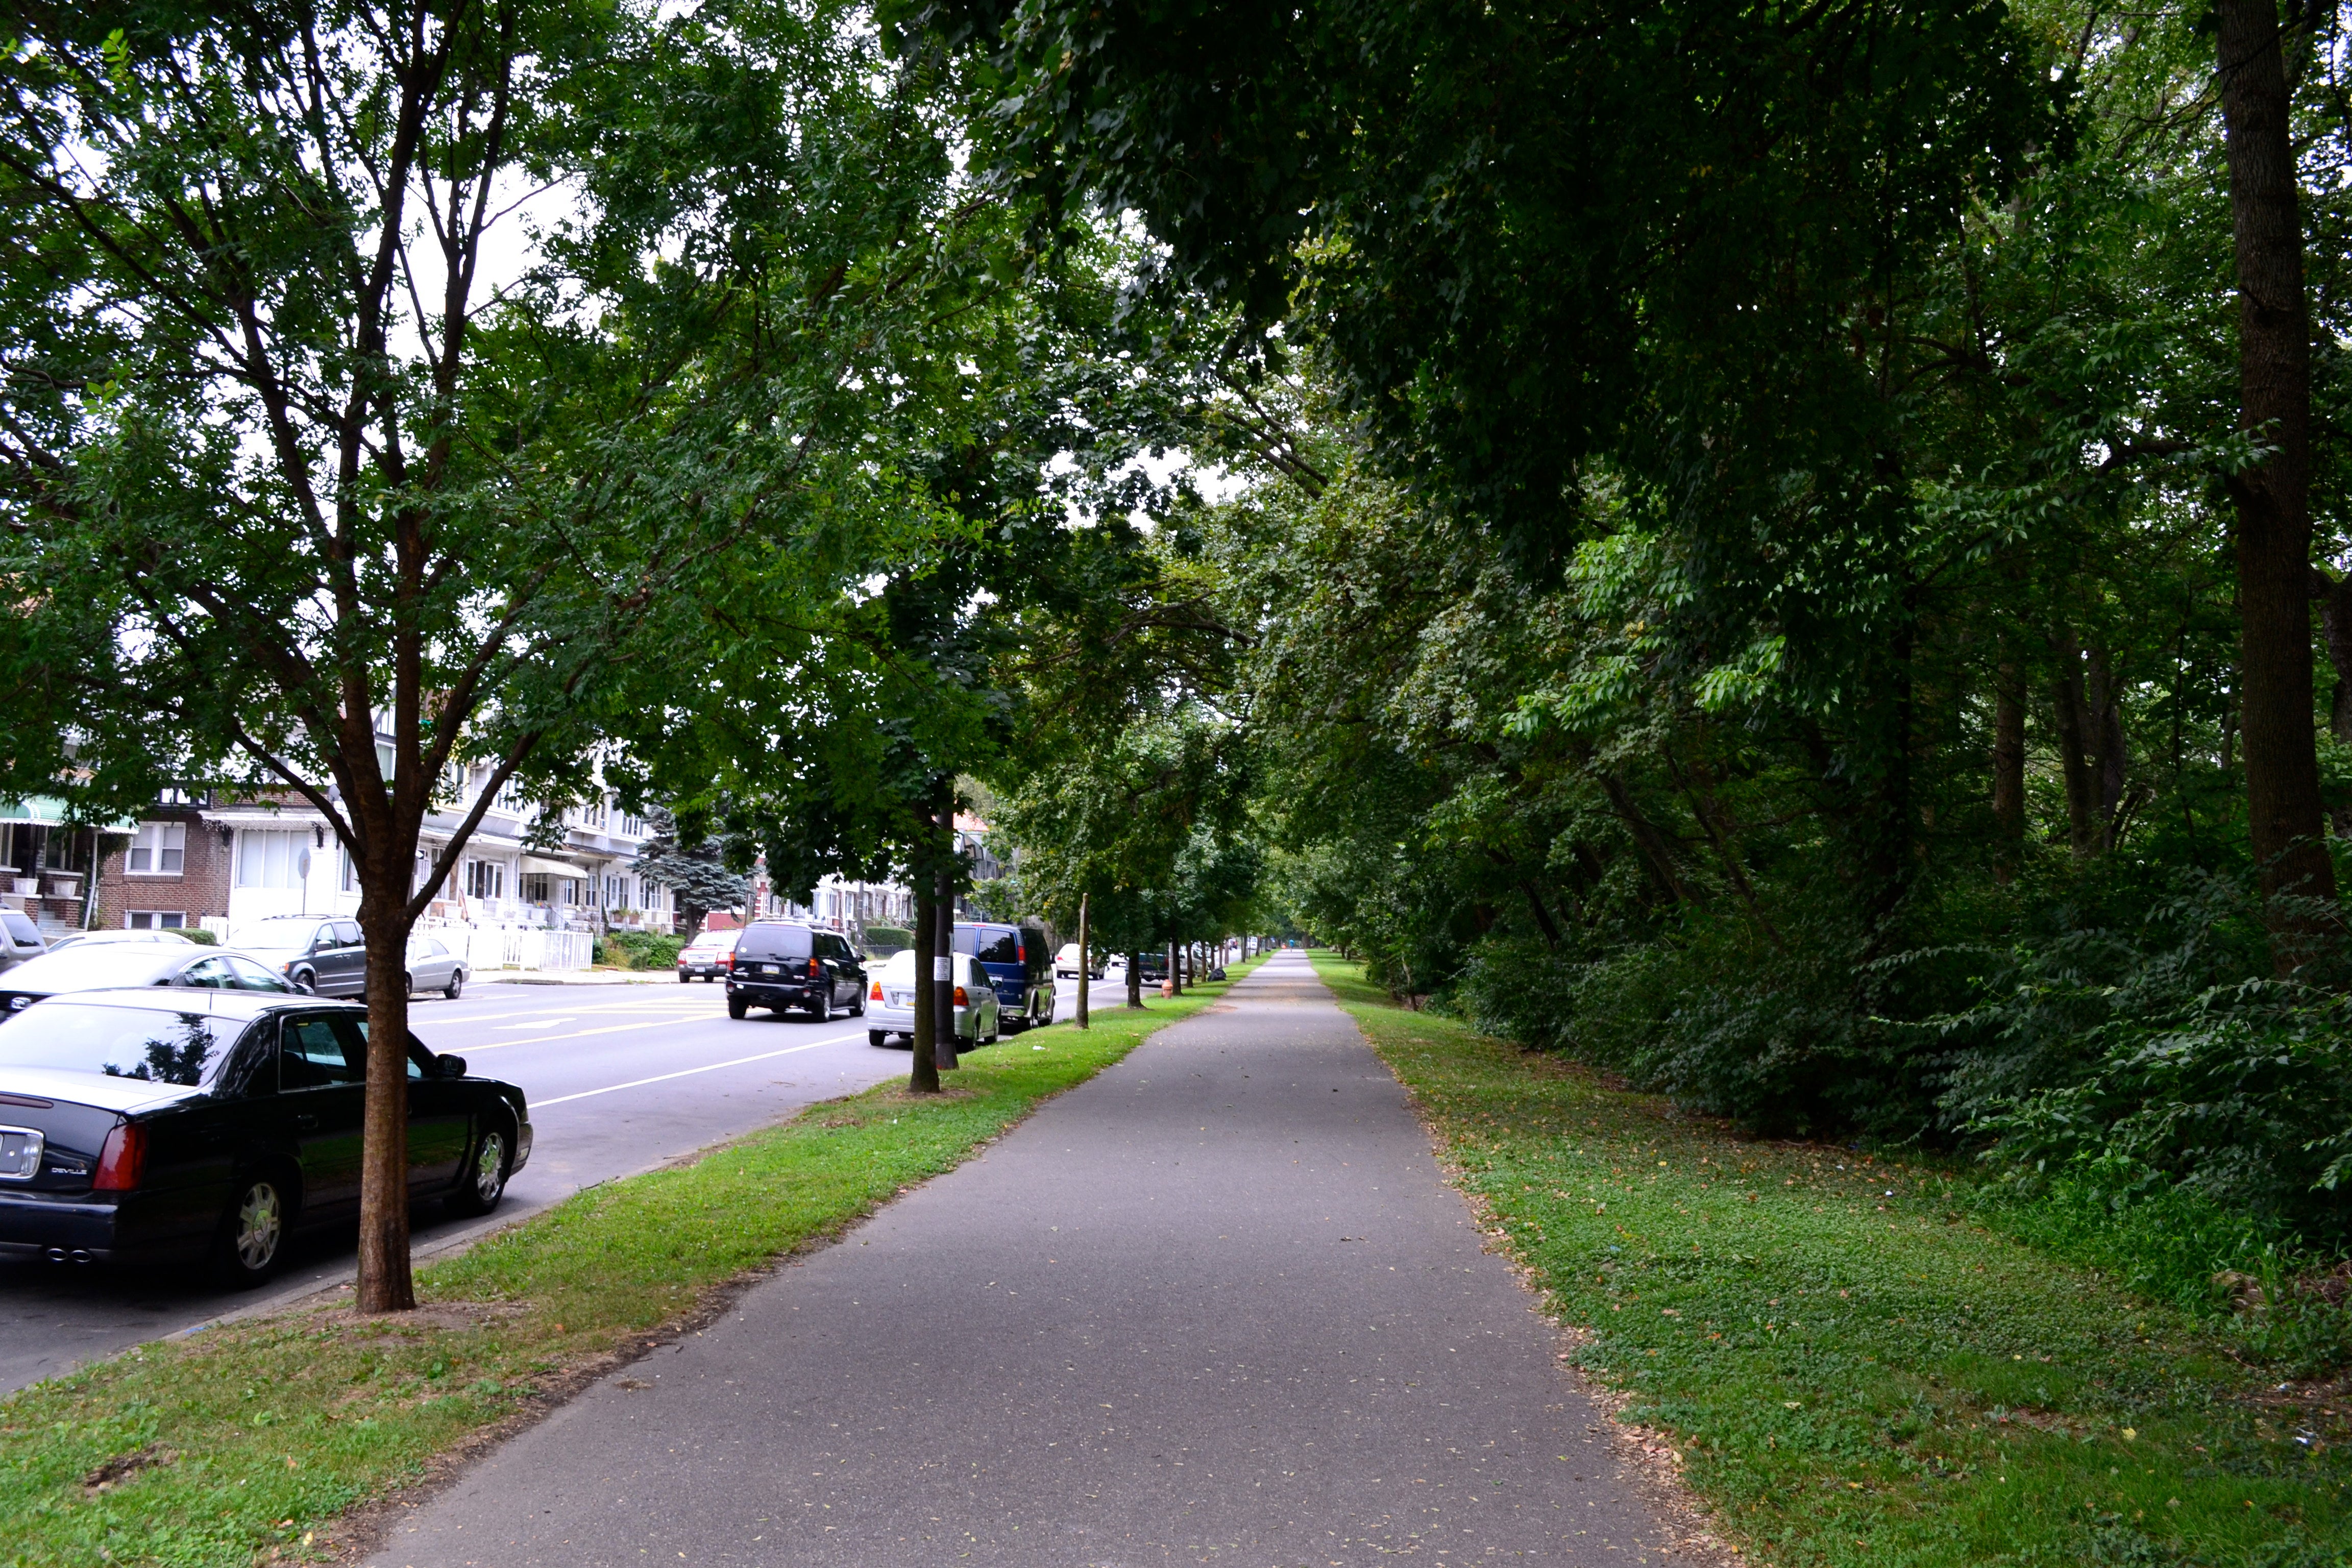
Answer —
(815, 969)
(120, 1160)
(961, 1000)
(1021, 953)
(875, 995)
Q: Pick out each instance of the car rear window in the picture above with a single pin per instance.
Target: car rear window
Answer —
(990, 944)
(83, 967)
(20, 930)
(122, 1042)
(773, 942)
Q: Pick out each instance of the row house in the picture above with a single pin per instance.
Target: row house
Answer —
(219, 863)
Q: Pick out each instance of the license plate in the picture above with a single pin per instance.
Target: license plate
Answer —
(899, 999)
(20, 1153)
(767, 969)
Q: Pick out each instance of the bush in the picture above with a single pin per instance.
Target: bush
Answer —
(637, 949)
(881, 941)
(200, 935)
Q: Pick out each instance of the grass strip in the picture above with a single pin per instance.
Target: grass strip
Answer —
(1850, 1368)
(244, 1443)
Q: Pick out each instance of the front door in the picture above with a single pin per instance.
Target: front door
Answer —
(438, 1130)
(322, 1093)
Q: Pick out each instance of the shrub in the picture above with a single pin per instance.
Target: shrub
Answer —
(637, 949)
(881, 941)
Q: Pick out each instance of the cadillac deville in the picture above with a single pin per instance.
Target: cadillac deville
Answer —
(172, 1125)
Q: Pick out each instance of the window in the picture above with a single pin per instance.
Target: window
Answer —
(20, 930)
(312, 1055)
(269, 857)
(155, 919)
(774, 942)
(157, 849)
(484, 879)
(538, 888)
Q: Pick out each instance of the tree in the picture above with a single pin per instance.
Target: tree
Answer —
(695, 870)
(299, 480)
(2274, 495)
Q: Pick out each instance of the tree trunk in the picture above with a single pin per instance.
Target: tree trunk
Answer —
(2103, 713)
(1175, 972)
(943, 1049)
(385, 1283)
(2071, 713)
(925, 1075)
(1135, 980)
(2274, 499)
(1086, 950)
(2008, 770)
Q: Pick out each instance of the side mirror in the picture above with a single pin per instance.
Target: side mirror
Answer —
(451, 1067)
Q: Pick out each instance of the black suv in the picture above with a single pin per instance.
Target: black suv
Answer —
(780, 965)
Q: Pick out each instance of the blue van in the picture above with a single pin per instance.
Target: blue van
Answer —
(1020, 961)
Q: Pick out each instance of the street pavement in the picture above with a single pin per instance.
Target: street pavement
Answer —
(620, 1078)
(1216, 1304)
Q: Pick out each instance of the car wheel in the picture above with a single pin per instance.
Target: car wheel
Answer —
(304, 980)
(457, 986)
(737, 1008)
(484, 1179)
(877, 1038)
(823, 1009)
(408, 986)
(683, 977)
(253, 1232)
(857, 1008)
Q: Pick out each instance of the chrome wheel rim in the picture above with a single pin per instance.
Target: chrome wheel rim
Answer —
(261, 1222)
(490, 1168)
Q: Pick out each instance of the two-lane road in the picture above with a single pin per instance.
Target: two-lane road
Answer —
(620, 1078)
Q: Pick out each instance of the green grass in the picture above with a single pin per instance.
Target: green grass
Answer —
(1854, 1370)
(268, 1430)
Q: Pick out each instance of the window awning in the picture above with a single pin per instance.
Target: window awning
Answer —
(540, 866)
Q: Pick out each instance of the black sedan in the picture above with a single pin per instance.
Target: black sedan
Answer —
(105, 967)
(207, 1125)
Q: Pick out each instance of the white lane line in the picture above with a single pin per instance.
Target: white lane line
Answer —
(688, 1072)
(583, 1033)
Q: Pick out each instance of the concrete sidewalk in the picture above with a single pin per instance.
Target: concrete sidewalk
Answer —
(1215, 1305)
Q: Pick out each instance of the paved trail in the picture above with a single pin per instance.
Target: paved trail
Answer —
(1215, 1305)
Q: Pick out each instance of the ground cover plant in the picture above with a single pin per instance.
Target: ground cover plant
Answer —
(1853, 1364)
(250, 1440)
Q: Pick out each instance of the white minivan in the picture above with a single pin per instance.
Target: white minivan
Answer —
(890, 1002)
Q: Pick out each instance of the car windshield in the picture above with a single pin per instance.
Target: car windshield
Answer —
(84, 968)
(157, 1045)
(276, 936)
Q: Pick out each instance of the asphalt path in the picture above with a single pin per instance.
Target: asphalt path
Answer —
(620, 1078)
(1217, 1304)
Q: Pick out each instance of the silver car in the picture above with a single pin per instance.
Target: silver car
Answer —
(20, 939)
(890, 1002)
(433, 967)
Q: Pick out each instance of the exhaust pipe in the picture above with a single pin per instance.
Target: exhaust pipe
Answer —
(79, 1254)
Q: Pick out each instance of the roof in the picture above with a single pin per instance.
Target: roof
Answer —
(242, 1006)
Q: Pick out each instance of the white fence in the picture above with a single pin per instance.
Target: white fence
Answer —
(517, 947)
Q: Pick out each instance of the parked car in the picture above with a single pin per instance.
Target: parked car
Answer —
(141, 1127)
(1018, 967)
(707, 957)
(319, 953)
(1065, 964)
(104, 968)
(106, 938)
(20, 939)
(783, 963)
(890, 1002)
(433, 967)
